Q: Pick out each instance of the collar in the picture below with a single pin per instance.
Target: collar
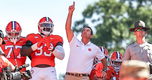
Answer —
(86, 44)
(141, 45)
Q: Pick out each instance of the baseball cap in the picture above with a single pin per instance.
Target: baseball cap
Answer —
(134, 68)
(139, 25)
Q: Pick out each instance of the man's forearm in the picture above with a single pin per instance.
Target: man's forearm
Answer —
(69, 20)
(104, 62)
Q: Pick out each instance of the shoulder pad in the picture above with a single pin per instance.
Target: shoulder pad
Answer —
(57, 38)
(5, 39)
(32, 35)
(131, 44)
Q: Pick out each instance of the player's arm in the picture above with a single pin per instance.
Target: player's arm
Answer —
(29, 46)
(104, 62)
(59, 51)
(26, 49)
(100, 55)
(6, 61)
(68, 29)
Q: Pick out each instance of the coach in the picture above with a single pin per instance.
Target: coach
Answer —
(82, 52)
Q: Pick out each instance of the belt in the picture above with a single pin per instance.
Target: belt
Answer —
(76, 74)
(42, 66)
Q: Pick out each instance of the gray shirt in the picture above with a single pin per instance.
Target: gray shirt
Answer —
(142, 52)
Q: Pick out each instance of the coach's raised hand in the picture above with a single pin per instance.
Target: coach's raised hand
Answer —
(69, 31)
(72, 7)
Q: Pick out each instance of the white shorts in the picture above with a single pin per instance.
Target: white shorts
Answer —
(48, 73)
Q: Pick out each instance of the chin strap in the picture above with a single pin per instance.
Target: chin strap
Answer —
(117, 69)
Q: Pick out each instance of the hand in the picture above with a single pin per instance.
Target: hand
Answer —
(104, 74)
(72, 7)
(40, 43)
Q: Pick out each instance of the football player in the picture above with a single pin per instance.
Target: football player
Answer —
(42, 48)
(113, 70)
(13, 44)
(3, 60)
(96, 73)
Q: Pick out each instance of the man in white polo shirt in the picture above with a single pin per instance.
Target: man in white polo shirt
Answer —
(82, 53)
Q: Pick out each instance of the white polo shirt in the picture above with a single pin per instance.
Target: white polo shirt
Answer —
(82, 56)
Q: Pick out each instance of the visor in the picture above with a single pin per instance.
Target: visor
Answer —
(116, 63)
(13, 34)
(46, 25)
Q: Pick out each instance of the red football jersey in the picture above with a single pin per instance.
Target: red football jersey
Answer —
(42, 55)
(112, 74)
(12, 51)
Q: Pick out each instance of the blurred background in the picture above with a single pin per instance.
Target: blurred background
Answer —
(110, 20)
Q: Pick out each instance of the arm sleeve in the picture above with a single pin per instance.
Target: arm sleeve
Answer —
(26, 49)
(73, 41)
(59, 52)
(99, 54)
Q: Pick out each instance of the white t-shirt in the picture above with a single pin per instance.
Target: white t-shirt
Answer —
(82, 56)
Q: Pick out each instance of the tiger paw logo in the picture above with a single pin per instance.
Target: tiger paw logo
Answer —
(89, 49)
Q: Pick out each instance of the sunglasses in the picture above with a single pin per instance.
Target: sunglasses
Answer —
(139, 30)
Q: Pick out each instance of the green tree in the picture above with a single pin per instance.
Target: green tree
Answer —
(112, 19)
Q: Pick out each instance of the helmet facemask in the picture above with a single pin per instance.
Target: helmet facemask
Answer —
(13, 34)
(46, 28)
(116, 60)
(116, 65)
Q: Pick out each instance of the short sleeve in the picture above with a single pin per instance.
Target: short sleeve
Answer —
(31, 37)
(99, 54)
(73, 41)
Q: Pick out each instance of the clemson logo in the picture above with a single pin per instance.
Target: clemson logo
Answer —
(89, 49)
(77, 46)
